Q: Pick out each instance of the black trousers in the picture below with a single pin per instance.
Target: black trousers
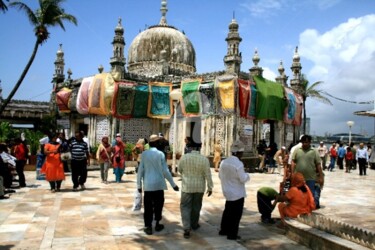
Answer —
(265, 207)
(55, 184)
(362, 166)
(230, 221)
(153, 206)
(20, 165)
(79, 172)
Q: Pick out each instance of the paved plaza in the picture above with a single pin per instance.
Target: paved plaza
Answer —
(101, 216)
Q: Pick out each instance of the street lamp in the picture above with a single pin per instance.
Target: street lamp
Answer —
(350, 125)
(175, 96)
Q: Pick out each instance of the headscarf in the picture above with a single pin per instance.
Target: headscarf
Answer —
(297, 180)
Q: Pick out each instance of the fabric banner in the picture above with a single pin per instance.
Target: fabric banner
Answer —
(140, 101)
(225, 90)
(62, 100)
(123, 100)
(244, 97)
(208, 100)
(270, 100)
(159, 102)
(190, 104)
(73, 100)
(299, 106)
(290, 111)
(253, 101)
(101, 94)
(83, 96)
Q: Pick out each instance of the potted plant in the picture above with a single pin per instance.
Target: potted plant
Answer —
(128, 151)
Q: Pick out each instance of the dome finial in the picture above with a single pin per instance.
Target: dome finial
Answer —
(163, 9)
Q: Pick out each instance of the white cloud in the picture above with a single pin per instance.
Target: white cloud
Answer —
(263, 8)
(344, 58)
(269, 74)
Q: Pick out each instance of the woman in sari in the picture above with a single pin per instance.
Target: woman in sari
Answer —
(103, 155)
(53, 166)
(298, 200)
(118, 161)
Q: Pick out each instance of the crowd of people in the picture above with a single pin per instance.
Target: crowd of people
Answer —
(301, 165)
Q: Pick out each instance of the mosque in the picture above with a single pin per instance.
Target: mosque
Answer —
(157, 90)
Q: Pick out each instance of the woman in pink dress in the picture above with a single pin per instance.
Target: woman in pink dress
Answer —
(118, 159)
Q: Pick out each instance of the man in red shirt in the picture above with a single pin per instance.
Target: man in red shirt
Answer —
(20, 154)
(333, 156)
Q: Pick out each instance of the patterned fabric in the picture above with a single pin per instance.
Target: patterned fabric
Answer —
(208, 99)
(244, 97)
(253, 101)
(159, 103)
(270, 100)
(73, 100)
(195, 171)
(122, 104)
(299, 106)
(190, 104)
(141, 101)
(225, 89)
(290, 111)
(62, 99)
(83, 96)
(101, 93)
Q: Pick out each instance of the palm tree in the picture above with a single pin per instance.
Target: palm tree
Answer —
(49, 14)
(3, 6)
(312, 91)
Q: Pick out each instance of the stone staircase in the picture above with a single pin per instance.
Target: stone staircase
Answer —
(319, 232)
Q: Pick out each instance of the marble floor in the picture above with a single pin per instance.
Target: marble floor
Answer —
(101, 216)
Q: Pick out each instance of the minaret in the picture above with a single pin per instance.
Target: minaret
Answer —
(256, 70)
(282, 78)
(118, 60)
(59, 77)
(296, 68)
(233, 58)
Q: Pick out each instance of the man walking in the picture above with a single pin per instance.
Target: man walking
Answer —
(306, 161)
(153, 171)
(195, 172)
(80, 161)
(362, 159)
(233, 178)
(323, 152)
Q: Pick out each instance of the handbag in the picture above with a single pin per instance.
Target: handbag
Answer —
(65, 156)
(137, 205)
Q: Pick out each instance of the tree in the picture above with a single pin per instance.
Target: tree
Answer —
(3, 6)
(312, 91)
(48, 15)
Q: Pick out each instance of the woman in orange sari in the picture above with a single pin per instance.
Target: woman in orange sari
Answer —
(298, 200)
(53, 166)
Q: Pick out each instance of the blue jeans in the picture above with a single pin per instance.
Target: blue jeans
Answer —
(317, 195)
(311, 185)
(332, 164)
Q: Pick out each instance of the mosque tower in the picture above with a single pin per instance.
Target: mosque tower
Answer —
(256, 70)
(59, 76)
(296, 68)
(233, 58)
(118, 59)
(282, 78)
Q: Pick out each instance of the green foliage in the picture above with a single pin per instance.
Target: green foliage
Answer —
(5, 131)
(94, 148)
(128, 149)
(32, 138)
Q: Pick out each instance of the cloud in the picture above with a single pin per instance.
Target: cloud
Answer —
(344, 58)
(263, 8)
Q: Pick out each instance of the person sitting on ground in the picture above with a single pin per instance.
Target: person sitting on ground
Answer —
(298, 200)
(266, 200)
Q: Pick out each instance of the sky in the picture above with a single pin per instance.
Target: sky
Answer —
(335, 39)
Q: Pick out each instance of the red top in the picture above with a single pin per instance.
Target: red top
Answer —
(349, 156)
(333, 152)
(19, 152)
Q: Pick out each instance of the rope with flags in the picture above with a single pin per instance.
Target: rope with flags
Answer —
(343, 100)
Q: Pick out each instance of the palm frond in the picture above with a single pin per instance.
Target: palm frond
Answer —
(29, 12)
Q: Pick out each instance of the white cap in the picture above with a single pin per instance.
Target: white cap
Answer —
(237, 146)
(118, 135)
(283, 147)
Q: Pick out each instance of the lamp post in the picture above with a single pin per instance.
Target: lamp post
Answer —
(350, 125)
(175, 96)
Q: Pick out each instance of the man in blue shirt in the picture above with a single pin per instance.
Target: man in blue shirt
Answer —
(153, 171)
(341, 155)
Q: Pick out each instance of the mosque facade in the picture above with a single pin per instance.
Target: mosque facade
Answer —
(133, 98)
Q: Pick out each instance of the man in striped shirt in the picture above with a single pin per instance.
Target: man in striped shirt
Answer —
(195, 171)
(80, 161)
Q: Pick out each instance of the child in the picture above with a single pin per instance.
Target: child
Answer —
(265, 196)
(348, 159)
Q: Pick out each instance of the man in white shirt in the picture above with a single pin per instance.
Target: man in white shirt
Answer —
(323, 151)
(233, 178)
